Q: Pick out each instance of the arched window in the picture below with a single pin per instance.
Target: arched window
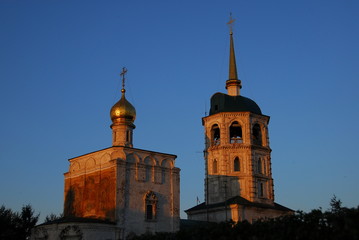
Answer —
(257, 135)
(235, 132)
(259, 166)
(236, 165)
(215, 132)
(215, 166)
(150, 206)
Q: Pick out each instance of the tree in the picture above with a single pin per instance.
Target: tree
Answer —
(52, 217)
(26, 220)
(17, 226)
(7, 223)
(335, 204)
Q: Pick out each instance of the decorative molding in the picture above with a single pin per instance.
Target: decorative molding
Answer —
(67, 231)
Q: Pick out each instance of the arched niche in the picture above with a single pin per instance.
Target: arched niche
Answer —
(132, 158)
(105, 158)
(75, 166)
(90, 163)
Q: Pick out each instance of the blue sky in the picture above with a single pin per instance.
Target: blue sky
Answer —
(59, 73)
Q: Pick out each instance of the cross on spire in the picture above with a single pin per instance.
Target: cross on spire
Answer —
(122, 74)
(230, 23)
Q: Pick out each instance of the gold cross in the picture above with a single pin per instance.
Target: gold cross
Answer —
(122, 74)
(230, 23)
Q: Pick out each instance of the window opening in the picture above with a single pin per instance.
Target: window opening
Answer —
(264, 168)
(215, 135)
(260, 190)
(235, 131)
(257, 134)
(149, 213)
(150, 206)
(259, 165)
(215, 166)
(236, 165)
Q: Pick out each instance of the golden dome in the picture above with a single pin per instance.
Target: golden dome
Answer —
(123, 109)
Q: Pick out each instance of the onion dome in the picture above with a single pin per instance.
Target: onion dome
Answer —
(123, 110)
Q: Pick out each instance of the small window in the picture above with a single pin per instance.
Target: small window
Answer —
(215, 132)
(150, 206)
(149, 212)
(259, 166)
(235, 131)
(257, 135)
(260, 189)
(236, 165)
(215, 166)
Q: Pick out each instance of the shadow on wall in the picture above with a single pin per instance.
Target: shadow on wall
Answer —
(155, 214)
(74, 206)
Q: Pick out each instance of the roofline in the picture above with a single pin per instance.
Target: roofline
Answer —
(232, 201)
(236, 112)
(67, 220)
(173, 155)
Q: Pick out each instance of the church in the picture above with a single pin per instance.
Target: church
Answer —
(238, 182)
(119, 191)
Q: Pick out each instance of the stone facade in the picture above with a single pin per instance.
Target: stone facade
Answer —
(112, 185)
(77, 230)
(237, 165)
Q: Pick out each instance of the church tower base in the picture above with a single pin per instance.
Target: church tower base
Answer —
(236, 209)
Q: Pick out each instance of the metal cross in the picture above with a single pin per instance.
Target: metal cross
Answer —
(230, 23)
(122, 74)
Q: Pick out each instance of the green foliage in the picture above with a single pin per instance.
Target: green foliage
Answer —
(335, 223)
(17, 225)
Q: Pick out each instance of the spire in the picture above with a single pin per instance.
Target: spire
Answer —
(232, 60)
(233, 84)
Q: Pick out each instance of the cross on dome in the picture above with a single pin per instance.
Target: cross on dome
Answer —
(230, 23)
(122, 74)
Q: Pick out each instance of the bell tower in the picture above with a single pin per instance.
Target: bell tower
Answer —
(238, 174)
(237, 152)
